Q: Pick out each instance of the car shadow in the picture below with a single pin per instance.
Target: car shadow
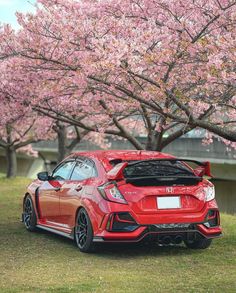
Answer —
(122, 250)
(140, 249)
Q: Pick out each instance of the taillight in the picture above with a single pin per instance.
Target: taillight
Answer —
(209, 193)
(206, 193)
(110, 191)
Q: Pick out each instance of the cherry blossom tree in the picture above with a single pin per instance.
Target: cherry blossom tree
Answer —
(176, 58)
(99, 115)
(19, 98)
(19, 125)
(166, 65)
(17, 134)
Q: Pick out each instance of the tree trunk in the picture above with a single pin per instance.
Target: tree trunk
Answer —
(11, 162)
(149, 142)
(154, 141)
(62, 142)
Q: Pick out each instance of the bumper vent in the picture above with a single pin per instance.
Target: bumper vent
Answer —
(212, 219)
(121, 222)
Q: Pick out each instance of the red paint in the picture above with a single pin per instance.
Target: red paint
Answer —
(59, 201)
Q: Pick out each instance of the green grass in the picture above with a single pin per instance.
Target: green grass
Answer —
(43, 262)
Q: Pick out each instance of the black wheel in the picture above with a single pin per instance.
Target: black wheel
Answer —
(29, 216)
(84, 232)
(198, 244)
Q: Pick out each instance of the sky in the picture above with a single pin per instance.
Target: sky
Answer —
(9, 7)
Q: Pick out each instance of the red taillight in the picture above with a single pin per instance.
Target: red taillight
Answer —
(111, 192)
(206, 192)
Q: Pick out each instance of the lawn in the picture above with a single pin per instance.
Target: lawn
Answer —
(42, 262)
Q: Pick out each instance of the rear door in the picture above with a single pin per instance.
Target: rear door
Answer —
(75, 190)
(50, 192)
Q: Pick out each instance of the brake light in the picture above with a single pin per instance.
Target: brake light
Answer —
(111, 192)
(209, 193)
(206, 193)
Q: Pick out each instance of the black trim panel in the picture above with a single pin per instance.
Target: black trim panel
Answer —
(71, 236)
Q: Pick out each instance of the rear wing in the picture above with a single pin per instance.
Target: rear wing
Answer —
(203, 168)
(116, 173)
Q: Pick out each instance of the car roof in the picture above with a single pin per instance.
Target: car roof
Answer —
(106, 156)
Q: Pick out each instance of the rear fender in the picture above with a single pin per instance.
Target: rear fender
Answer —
(92, 215)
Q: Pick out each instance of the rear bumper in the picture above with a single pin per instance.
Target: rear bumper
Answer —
(202, 224)
(145, 231)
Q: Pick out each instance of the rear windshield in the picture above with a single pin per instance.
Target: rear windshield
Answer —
(156, 168)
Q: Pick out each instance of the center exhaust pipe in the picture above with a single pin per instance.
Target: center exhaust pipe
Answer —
(166, 240)
(178, 239)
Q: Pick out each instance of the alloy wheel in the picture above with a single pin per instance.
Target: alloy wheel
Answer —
(28, 210)
(82, 229)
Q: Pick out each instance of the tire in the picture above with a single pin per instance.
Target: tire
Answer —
(84, 232)
(29, 216)
(198, 244)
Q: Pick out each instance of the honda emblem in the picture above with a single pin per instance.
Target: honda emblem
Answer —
(169, 189)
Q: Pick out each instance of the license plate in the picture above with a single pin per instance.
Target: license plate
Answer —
(168, 202)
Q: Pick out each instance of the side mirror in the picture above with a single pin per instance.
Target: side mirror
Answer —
(43, 176)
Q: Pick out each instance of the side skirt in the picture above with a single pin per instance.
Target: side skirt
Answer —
(71, 236)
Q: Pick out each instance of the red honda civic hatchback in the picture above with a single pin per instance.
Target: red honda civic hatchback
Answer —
(125, 196)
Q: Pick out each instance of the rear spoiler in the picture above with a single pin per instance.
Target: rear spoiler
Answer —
(116, 173)
(203, 168)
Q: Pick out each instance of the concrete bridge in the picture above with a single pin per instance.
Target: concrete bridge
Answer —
(223, 163)
(222, 159)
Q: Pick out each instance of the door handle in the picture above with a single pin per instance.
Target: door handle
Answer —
(78, 187)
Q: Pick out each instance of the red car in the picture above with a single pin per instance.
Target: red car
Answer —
(125, 196)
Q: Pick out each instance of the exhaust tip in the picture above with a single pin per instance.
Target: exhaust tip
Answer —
(166, 240)
(178, 239)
